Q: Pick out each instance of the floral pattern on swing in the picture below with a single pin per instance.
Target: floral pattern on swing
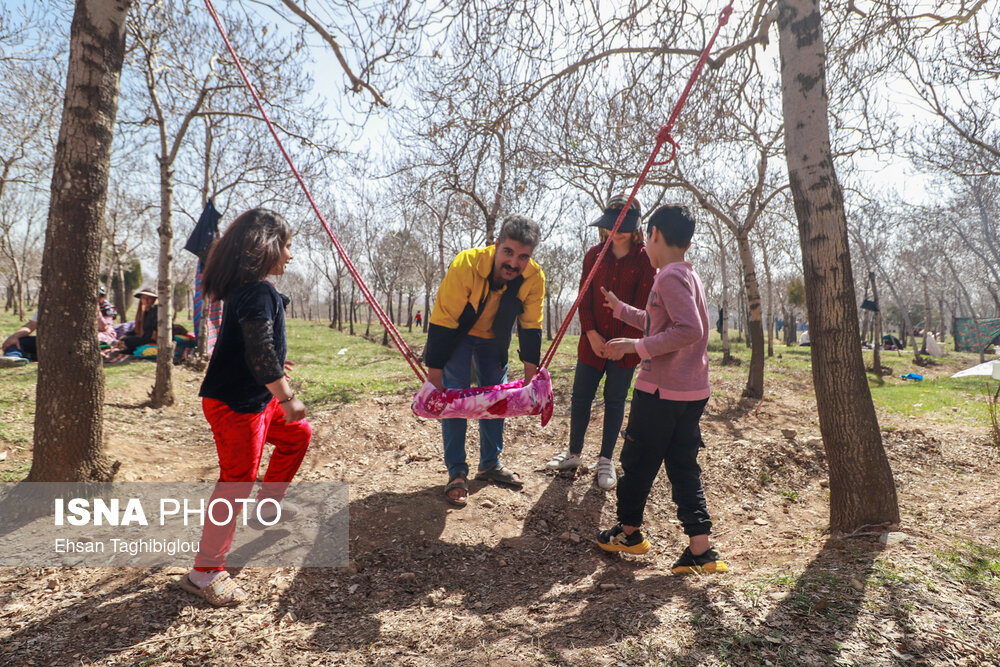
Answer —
(498, 401)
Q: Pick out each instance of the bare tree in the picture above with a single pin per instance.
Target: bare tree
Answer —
(862, 490)
(68, 443)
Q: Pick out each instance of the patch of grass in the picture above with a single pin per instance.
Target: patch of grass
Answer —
(973, 564)
(791, 495)
(333, 367)
(885, 573)
(15, 472)
(943, 399)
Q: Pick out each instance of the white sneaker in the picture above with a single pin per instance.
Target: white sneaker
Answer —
(564, 461)
(607, 478)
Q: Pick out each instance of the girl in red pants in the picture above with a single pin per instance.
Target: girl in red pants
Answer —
(245, 395)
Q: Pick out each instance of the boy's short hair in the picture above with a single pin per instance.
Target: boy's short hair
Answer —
(521, 229)
(675, 223)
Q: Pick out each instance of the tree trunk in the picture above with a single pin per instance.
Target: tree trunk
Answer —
(351, 312)
(770, 303)
(117, 285)
(548, 315)
(943, 326)
(755, 327)
(927, 315)
(68, 437)
(724, 309)
(972, 309)
(877, 329)
(163, 387)
(427, 307)
(862, 490)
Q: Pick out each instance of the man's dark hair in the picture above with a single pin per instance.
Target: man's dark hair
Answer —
(675, 223)
(521, 229)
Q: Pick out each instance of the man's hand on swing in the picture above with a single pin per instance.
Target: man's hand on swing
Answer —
(529, 372)
(436, 377)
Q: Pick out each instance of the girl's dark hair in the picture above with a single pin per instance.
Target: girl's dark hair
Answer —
(246, 253)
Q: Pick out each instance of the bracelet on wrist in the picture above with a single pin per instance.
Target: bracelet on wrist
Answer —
(287, 399)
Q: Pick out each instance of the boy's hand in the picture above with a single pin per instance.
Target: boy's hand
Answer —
(597, 343)
(610, 300)
(619, 347)
(288, 368)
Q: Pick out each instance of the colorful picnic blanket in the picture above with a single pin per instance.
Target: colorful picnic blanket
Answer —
(513, 399)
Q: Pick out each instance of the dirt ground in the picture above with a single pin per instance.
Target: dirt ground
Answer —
(515, 579)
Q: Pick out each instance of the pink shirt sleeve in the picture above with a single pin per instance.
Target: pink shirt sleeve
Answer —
(677, 297)
(630, 315)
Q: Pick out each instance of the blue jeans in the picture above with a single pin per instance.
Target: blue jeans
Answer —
(479, 356)
(616, 386)
(28, 349)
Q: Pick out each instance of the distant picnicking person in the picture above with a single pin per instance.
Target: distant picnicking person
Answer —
(21, 347)
(143, 332)
(671, 391)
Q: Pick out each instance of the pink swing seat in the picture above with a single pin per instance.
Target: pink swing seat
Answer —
(513, 399)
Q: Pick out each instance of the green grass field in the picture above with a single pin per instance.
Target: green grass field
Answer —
(334, 367)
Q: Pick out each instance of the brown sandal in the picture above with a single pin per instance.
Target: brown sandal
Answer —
(457, 482)
(222, 592)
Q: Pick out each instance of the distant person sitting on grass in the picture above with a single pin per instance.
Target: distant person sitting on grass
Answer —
(21, 346)
(144, 331)
(670, 394)
(106, 314)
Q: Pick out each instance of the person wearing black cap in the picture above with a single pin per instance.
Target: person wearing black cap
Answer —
(625, 270)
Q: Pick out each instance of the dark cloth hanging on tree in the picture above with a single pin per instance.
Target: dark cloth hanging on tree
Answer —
(204, 232)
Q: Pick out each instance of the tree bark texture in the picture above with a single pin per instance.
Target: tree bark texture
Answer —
(755, 326)
(877, 328)
(163, 387)
(724, 308)
(68, 439)
(862, 490)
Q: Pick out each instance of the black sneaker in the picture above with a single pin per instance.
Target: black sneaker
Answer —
(615, 539)
(706, 563)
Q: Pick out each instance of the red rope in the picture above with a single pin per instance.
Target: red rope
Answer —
(384, 319)
(662, 137)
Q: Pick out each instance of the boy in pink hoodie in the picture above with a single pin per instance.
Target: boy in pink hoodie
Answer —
(670, 394)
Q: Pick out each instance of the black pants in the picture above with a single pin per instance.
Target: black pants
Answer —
(132, 342)
(667, 432)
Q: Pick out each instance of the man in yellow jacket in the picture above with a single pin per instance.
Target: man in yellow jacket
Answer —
(485, 291)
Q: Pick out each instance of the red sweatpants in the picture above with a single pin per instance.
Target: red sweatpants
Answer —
(239, 441)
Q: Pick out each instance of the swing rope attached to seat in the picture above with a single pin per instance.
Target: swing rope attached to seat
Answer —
(662, 137)
(513, 399)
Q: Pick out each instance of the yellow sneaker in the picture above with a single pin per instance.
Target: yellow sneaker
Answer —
(706, 563)
(615, 539)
